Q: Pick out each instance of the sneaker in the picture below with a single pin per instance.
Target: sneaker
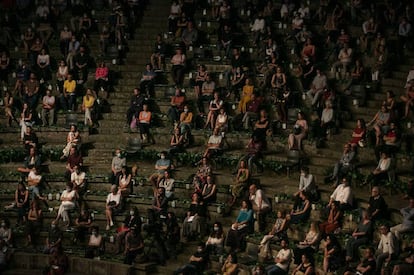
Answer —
(107, 227)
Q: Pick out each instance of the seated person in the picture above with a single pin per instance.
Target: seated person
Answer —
(306, 266)
(240, 183)
(74, 160)
(177, 142)
(68, 202)
(73, 139)
(214, 144)
(230, 265)
(30, 139)
(101, 79)
(377, 207)
(334, 220)
(380, 123)
(167, 183)
(342, 194)
(6, 235)
(222, 121)
(132, 220)
(252, 110)
(407, 224)
(144, 122)
(215, 105)
(254, 151)
(96, 244)
(406, 263)
(301, 212)
(241, 227)
(366, 266)
(147, 81)
(34, 180)
(300, 132)
(186, 119)
(118, 161)
(200, 177)
(58, 261)
(390, 142)
(161, 165)
(332, 255)
(282, 260)
(327, 117)
(177, 106)
(53, 239)
(380, 173)
(113, 206)
(34, 223)
(344, 165)
(209, 192)
(30, 161)
(215, 241)
(387, 249)
(78, 179)
(307, 184)
(319, 83)
(362, 235)
(134, 245)
(196, 217)
(309, 245)
(124, 182)
(82, 224)
(207, 91)
(197, 264)
(159, 206)
(278, 232)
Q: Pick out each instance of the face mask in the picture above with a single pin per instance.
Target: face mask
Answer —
(94, 233)
(53, 226)
(200, 250)
(118, 155)
(163, 157)
(131, 213)
(3, 224)
(302, 174)
(186, 110)
(216, 229)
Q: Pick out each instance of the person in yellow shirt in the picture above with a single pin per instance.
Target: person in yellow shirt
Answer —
(69, 92)
(246, 96)
(87, 107)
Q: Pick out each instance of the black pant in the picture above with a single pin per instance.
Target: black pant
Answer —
(131, 255)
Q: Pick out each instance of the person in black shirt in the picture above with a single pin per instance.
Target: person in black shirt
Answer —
(135, 105)
(367, 264)
(30, 139)
(131, 220)
(197, 263)
(377, 207)
(134, 245)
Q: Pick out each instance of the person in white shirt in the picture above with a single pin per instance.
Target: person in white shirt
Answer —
(318, 84)
(407, 224)
(327, 117)
(260, 205)
(380, 173)
(113, 204)
(68, 199)
(168, 184)
(306, 184)
(344, 58)
(282, 260)
(342, 194)
(48, 108)
(258, 28)
(214, 144)
(78, 179)
(387, 247)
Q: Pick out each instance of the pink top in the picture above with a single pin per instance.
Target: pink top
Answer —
(101, 72)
